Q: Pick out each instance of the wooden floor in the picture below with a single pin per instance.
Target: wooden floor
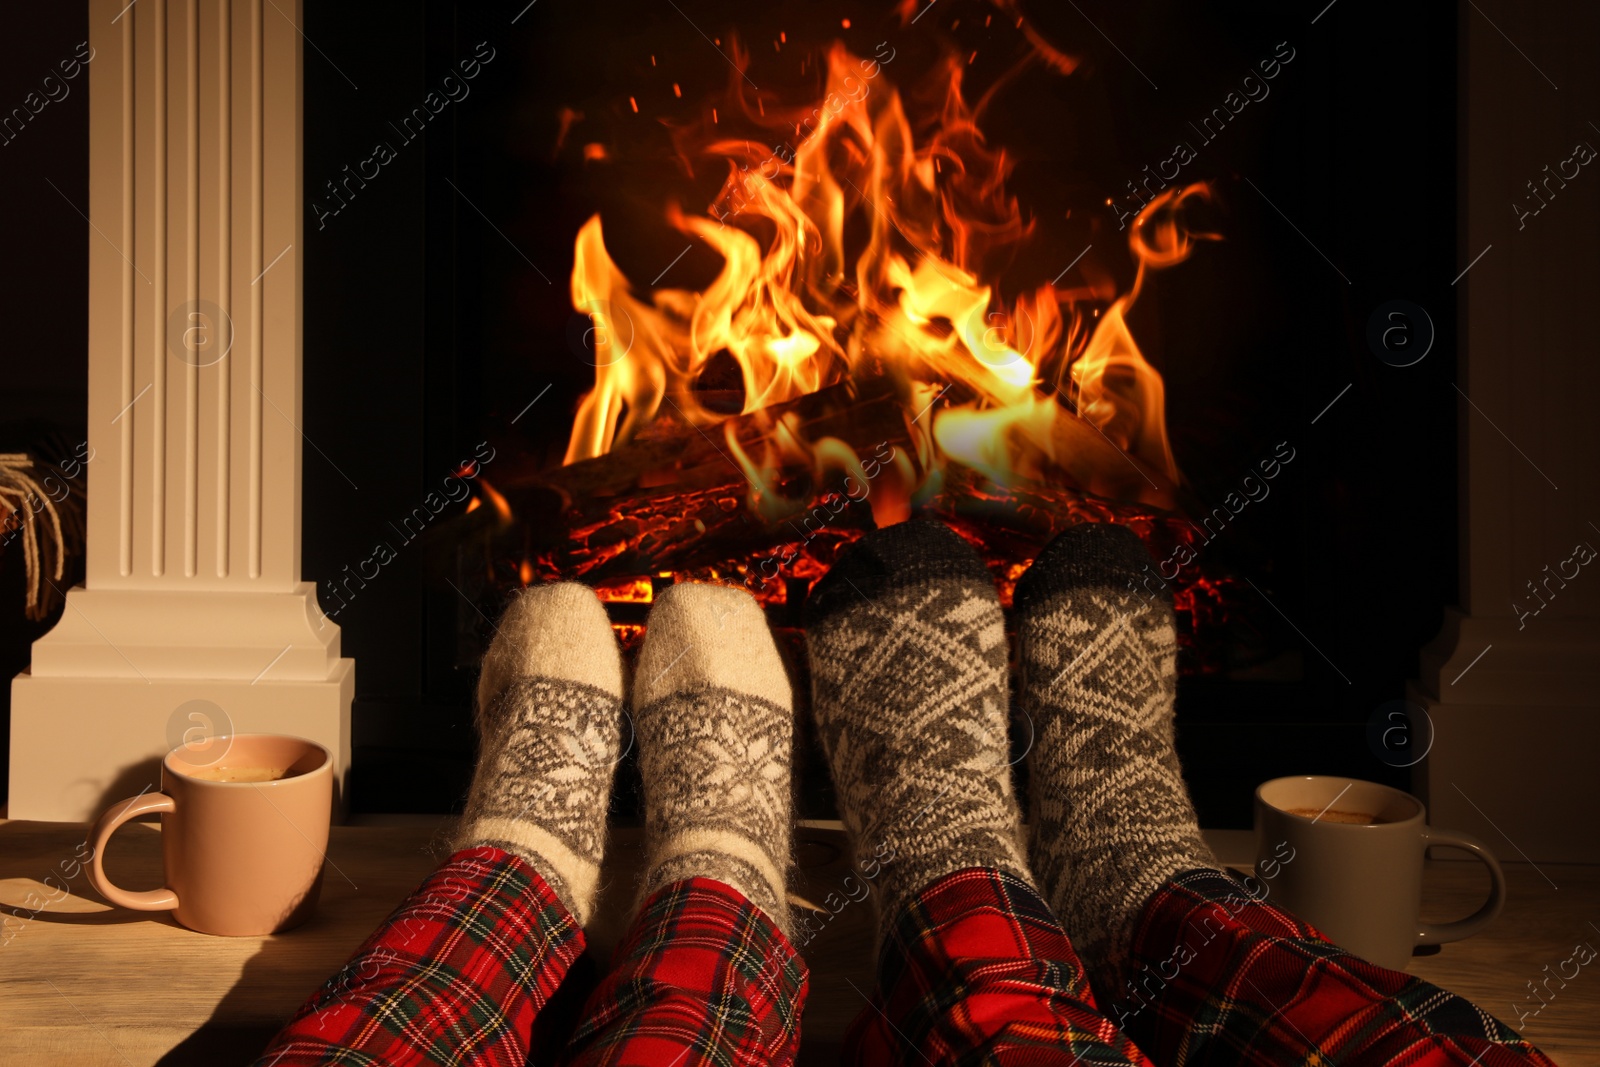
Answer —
(84, 985)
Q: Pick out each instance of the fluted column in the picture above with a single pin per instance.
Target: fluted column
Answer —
(193, 588)
(194, 329)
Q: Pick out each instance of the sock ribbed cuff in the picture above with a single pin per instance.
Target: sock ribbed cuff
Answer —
(1090, 555)
(906, 555)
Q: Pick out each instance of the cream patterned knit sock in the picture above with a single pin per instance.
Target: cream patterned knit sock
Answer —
(908, 667)
(550, 726)
(1112, 817)
(715, 716)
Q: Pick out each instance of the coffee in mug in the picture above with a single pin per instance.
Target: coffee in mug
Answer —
(1352, 818)
(1354, 866)
(243, 837)
(243, 774)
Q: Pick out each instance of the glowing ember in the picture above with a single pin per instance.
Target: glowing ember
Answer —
(626, 591)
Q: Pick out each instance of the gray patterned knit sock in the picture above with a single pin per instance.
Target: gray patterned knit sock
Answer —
(908, 668)
(1112, 818)
(715, 715)
(550, 727)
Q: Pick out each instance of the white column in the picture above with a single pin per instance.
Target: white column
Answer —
(1513, 688)
(193, 587)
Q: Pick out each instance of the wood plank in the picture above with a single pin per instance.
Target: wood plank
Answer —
(85, 985)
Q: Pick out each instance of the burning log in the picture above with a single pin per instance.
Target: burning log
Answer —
(679, 499)
(675, 457)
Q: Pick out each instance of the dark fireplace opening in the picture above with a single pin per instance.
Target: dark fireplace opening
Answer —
(453, 269)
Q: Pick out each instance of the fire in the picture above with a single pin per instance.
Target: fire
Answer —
(626, 591)
(863, 254)
(502, 507)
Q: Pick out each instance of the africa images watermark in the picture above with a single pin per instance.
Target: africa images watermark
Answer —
(829, 507)
(1233, 504)
(454, 89)
(1251, 88)
(737, 192)
(13, 920)
(1582, 554)
(807, 927)
(55, 490)
(1582, 154)
(1582, 955)
(454, 490)
(52, 90)
(1222, 913)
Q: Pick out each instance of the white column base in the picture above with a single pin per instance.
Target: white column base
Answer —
(1512, 761)
(105, 697)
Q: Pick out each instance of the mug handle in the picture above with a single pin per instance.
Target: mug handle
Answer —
(1439, 933)
(163, 899)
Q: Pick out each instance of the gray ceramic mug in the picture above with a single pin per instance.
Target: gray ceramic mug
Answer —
(1359, 883)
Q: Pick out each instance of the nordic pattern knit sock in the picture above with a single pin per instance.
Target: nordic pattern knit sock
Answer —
(1112, 819)
(715, 715)
(550, 727)
(908, 666)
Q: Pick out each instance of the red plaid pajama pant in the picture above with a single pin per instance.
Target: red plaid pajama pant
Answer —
(470, 970)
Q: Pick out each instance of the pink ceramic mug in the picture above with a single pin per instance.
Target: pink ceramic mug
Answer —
(241, 857)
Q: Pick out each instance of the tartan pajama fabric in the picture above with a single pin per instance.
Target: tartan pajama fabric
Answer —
(976, 970)
(703, 977)
(461, 971)
(1224, 978)
(456, 975)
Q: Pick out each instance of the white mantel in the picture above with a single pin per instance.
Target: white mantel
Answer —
(1518, 725)
(193, 588)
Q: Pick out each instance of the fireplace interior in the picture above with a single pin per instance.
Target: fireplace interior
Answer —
(1173, 265)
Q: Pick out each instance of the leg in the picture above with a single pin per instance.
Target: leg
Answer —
(707, 974)
(908, 663)
(704, 977)
(1189, 963)
(1266, 988)
(462, 969)
(1112, 819)
(458, 973)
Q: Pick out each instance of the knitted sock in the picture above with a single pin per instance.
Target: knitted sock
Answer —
(1112, 819)
(550, 726)
(908, 669)
(715, 716)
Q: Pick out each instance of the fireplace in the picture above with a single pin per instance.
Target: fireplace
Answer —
(1250, 363)
(438, 187)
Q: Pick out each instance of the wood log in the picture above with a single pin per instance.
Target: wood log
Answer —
(675, 456)
(677, 499)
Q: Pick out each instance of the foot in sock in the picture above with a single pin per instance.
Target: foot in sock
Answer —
(908, 665)
(715, 716)
(550, 727)
(1112, 818)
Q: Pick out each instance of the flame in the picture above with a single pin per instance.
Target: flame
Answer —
(872, 260)
(501, 506)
